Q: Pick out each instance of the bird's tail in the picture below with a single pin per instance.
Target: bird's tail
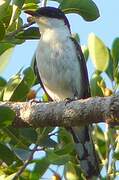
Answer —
(86, 152)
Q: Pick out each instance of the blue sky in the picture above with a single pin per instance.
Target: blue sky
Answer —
(106, 27)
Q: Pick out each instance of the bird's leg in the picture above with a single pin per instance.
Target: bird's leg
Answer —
(68, 100)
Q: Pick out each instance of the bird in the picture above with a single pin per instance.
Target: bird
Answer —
(62, 72)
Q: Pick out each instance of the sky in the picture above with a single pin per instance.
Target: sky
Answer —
(106, 27)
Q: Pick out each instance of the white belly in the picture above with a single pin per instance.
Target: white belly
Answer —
(59, 69)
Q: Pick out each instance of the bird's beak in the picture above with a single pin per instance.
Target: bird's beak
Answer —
(32, 13)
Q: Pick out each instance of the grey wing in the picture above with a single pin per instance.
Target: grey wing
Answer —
(39, 78)
(84, 71)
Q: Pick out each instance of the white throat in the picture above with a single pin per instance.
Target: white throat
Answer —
(57, 63)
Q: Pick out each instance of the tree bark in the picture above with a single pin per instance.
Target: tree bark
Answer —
(65, 114)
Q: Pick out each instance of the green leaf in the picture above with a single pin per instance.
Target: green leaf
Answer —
(53, 158)
(110, 69)
(40, 168)
(6, 154)
(116, 155)
(59, 1)
(2, 85)
(28, 135)
(99, 137)
(98, 52)
(3, 82)
(47, 142)
(76, 37)
(30, 33)
(17, 84)
(85, 8)
(116, 75)
(5, 46)
(6, 15)
(29, 76)
(3, 8)
(32, 1)
(19, 3)
(64, 136)
(13, 40)
(2, 31)
(11, 86)
(5, 56)
(96, 82)
(115, 52)
(6, 116)
(22, 154)
(70, 171)
(65, 149)
(85, 52)
(31, 6)
(44, 139)
(10, 177)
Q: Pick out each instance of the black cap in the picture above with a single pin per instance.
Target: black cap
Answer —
(50, 12)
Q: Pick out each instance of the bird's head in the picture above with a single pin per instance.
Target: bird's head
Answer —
(49, 17)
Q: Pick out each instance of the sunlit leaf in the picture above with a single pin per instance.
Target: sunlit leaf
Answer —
(85, 8)
(98, 52)
(115, 51)
(11, 86)
(31, 6)
(10, 177)
(18, 84)
(6, 116)
(4, 5)
(5, 58)
(14, 18)
(85, 51)
(70, 172)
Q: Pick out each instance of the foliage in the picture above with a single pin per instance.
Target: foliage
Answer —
(17, 146)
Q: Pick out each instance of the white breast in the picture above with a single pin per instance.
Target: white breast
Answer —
(58, 66)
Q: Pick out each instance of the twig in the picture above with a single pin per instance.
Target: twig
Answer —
(20, 29)
(75, 113)
(26, 163)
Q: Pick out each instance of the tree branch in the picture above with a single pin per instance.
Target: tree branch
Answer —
(75, 113)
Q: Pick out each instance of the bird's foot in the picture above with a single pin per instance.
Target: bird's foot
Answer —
(35, 101)
(68, 100)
